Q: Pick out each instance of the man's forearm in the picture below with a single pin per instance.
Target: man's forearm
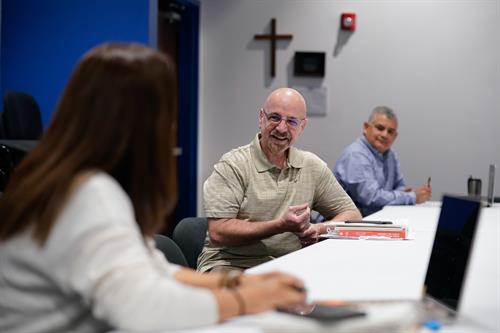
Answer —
(230, 232)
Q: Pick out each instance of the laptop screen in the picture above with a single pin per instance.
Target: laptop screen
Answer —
(451, 249)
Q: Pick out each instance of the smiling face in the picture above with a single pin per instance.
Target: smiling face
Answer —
(381, 131)
(281, 121)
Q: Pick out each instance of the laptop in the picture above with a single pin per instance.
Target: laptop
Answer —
(446, 270)
(447, 267)
(450, 254)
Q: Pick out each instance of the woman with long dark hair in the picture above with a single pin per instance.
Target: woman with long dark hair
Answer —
(78, 216)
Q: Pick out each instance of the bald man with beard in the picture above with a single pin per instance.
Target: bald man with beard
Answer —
(259, 197)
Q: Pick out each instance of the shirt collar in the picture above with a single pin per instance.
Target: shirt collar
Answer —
(295, 159)
(373, 150)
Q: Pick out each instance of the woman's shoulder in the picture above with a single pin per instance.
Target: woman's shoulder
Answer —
(97, 195)
(96, 205)
(97, 181)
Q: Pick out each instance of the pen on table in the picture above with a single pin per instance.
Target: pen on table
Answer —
(429, 182)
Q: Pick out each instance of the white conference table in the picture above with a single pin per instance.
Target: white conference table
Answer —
(377, 269)
(336, 269)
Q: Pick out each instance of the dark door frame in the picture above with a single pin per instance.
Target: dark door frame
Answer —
(187, 60)
(176, 33)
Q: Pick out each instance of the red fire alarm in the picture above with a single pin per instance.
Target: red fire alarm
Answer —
(348, 21)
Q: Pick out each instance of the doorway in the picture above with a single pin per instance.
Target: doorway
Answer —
(178, 37)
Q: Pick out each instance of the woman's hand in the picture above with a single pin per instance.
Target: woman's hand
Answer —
(271, 290)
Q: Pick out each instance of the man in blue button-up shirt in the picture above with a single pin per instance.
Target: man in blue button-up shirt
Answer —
(368, 169)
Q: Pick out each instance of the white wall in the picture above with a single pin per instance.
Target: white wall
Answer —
(436, 63)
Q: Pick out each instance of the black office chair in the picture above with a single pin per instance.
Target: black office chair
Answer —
(170, 250)
(6, 166)
(21, 117)
(190, 234)
(20, 127)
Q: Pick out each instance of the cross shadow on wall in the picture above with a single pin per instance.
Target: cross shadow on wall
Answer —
(280, 46)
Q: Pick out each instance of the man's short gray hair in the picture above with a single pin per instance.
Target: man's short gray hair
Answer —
(385, 110)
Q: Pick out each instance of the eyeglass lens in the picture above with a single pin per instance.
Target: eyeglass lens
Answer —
(276, 118)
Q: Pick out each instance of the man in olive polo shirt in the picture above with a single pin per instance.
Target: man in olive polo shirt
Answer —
(259, 197)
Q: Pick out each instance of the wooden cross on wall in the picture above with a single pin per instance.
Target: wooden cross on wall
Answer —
(273, 37)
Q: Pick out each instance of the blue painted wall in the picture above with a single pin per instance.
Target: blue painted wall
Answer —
(42, 40)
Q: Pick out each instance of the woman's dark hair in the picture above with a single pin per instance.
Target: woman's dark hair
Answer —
(117, 115)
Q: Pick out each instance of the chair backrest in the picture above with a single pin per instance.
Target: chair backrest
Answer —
(6, 165)
(190, 234)
(21, 117)
(170, 250)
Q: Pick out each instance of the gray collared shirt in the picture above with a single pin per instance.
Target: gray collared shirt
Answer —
(245, 185)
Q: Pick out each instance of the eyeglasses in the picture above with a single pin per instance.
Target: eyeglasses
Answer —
(276, 118)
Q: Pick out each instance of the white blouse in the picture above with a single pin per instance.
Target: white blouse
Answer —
(95, 272)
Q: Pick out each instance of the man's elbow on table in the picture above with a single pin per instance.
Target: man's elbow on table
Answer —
(349, 215)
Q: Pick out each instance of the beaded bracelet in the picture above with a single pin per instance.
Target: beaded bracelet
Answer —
(230, 279)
